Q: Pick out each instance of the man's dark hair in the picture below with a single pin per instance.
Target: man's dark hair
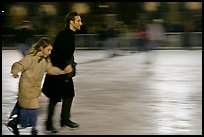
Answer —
(70, 16)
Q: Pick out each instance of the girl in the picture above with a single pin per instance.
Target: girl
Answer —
(32, 68)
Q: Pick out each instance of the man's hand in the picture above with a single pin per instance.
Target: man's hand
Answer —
(68, 69)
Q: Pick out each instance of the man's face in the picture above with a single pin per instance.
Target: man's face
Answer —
(76, 23)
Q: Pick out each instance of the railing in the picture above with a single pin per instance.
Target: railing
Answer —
(176, 39)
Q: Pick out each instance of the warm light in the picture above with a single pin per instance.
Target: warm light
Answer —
(103, 6)
(81, 8)
(48, 9)
(193, 5)
(17, 10)
(151, 6)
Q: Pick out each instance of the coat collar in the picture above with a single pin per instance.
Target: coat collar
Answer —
(41, 55)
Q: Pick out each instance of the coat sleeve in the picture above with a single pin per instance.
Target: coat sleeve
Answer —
(52, 70)
(21, 65)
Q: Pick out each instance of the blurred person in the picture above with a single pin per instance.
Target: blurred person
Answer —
(141, 39)
(102, 34)
(155, 34)
(32, 68)
(187, 34)
(24, 37)
(61, 88)
(110, 41)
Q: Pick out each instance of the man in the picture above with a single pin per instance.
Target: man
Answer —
(61, 88)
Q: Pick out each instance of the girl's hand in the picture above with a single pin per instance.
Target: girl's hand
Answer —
(15, 75)
(68, 69)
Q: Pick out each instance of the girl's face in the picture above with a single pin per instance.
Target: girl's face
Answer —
(47, 51)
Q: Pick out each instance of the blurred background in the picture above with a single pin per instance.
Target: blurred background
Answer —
(157, 92)
(182, 21)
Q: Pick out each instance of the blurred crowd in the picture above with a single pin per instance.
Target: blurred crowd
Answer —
(106, 22)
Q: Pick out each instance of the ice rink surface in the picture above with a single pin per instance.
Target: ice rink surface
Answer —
(156, 93)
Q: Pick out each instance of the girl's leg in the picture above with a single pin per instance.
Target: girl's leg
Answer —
(34, 131)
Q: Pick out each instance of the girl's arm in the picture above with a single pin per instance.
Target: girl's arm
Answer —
(20, 66)
(52, 70)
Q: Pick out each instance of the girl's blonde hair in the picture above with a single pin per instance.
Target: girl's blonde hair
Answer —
(41, 44)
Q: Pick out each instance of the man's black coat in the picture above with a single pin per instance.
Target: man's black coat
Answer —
(60, 86)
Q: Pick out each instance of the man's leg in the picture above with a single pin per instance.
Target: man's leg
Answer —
(66, 110)
(65, 114)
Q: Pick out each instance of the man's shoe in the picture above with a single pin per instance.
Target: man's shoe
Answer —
(12, 127)
(51, 129)
(70, 124)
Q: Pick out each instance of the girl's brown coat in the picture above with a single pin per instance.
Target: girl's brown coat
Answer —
(33, 70)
